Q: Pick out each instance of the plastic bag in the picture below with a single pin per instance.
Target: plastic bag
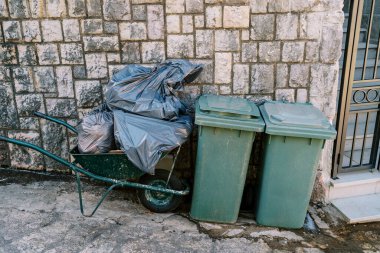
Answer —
(96, 131)
(144, 139)
(152, 92)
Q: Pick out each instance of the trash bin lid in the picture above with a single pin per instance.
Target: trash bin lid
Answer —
(296, 119)
(228, 112)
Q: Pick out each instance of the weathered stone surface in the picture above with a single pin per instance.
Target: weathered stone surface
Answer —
(18, 8)
(309, 25)
(37, 8)
(147, 1)
(207, 74)
(315, 5)
(312, 51)
(59, 107)
(116, 10)
(88, 93)
(269, 51)
(27, 55)
(180, 46)
(8, 111)
(262, 27)
(101, 43)
(23, 78)
(204, 40)
(285, 95)
(293, 51)
(236, 16)
(240, 82)
(96, 65)
(131, 52)
(199, 21)
(249, 52)
(71, 29)
(12, 30)
(210, 89)
(282, 75)
(279, 6)
(64, 81)
(22, 157)
(45, 79)
(225, 89)
(79, 72)
(31, 30)
(299, 75)
(133, 31)
(194, 6)
(262, 79)
(27, 104)
(175, 6)
(286, 26)
(139, 12)
(214, 16)
(51, 30)
(92, 26)
(155, 22)
(259, 6)
(8, 54)
(111, 27)
(330, 49)
(29, 123)
(55, 8)
(47, 54)
(5, 74)
(227, 40)
(173, 24)
(113, 58)
(153, 52)
(94, 8)
(76, 8)
(223, 67)
(71, 53)
(301, 95)
(187, 24)
(3, 9)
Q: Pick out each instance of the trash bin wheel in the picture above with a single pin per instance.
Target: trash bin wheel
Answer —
(157, 201)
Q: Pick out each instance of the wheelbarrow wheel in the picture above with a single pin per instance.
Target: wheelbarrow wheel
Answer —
(160, 202)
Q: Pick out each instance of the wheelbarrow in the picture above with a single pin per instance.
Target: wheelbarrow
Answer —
(159, 193)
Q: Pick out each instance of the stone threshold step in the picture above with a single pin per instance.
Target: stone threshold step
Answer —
(356, 178)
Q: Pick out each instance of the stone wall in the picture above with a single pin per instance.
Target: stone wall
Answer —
(56, 56)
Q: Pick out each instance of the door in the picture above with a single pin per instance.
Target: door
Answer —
(357, 122)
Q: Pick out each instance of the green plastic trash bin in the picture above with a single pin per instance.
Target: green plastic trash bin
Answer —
(227, 128)
(295, 136)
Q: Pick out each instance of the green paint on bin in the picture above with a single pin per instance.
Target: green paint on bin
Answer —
(227, 128)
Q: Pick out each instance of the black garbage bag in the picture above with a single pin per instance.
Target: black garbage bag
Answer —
(96, 131)
(152, 92)
(145, 139)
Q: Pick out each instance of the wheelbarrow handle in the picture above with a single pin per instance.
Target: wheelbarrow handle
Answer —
(58, 121)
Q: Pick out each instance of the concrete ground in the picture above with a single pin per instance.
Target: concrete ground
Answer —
(40, 213)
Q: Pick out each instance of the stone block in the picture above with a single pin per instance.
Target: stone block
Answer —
(116, 10)
(175, 6)
(47, 54)
(3, 9)
(23, 79)
(282, 75)
(51, 30)
(310, 25)
(262, 78)
(76, 8)
(64, 82)
(259, 6)
(71, 29)
(27, 104)
(45, 79)
(301, 95)
(92, 26)
(61, 107)
(194, 6)
(94, 8)
(173, 24)
(18, 8)
(156, 22)
(113, 58)
(72, 53)
(101, 43)
(225, 89)
(5, 74)
(245, 35)
(210, 89)
(223, 68)
(153, 52)
(236, 17)
(8, 54)
(286, 95)
(133, 31)
(312, 51)
(199, 21)
(269, 51)
(139, 12)
(8, 111)
(31, 30)
(56, 8)
(180, 46)
(279, 6)
(79, 72)
(187, 24)
(249, 52)
(213, 16)
(37, 8)
(96, 65)
(299, 75)
(240, 84)
(147, 1)
(130, 52)
(286, 26)
(262, 27)
(207, 74)
(12, 30)
(330, 48)
(88, 93)
(204, 40)
(293, 51)
(22, 157)
(227, 40)
(29, 123)
(111, 27)
(27, 55)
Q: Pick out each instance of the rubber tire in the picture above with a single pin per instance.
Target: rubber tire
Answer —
(160, 176)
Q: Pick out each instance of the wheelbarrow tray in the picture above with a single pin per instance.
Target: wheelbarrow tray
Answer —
(111, 165)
